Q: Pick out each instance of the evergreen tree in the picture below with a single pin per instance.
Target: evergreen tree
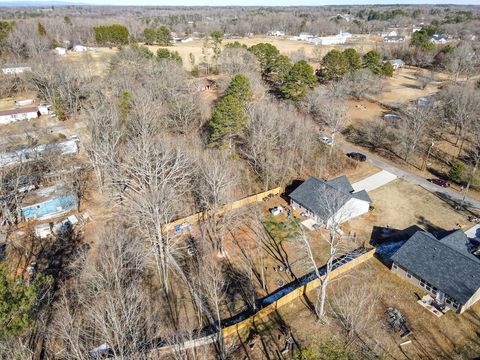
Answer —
(170, 55)
(267, 55)
(17, 301)
(41, 29)
(335, 65)
(240, 88)
(125, 106)
(456, 171)
(228, 121)
(280, 69)
(300, 78)
(387, 69)
(149, 36)
(164, 36)
(353, 58)
(421, 39)
(111, 35)
(372, 60)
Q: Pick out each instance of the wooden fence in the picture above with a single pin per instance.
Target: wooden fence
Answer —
(233, 205)
(286, 299)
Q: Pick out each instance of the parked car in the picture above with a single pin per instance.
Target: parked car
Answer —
(440, 182)
(357, 156)
(326, 140)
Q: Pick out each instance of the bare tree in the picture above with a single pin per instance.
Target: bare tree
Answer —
(214, 188)
(414, 126)
(108, 302)
(464, 59)
(335, 211)
(461, 105)
(354, 305)
(330, 112)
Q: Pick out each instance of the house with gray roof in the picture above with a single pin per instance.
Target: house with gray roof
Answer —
(329, 202)
(444, 267)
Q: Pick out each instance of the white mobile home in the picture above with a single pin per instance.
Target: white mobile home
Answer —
(8, 116)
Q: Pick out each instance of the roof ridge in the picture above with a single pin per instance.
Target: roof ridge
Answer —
(477, 261)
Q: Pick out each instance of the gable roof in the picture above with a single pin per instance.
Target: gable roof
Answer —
(325, 198)
(443, 263)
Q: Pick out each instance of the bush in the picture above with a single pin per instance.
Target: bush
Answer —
(456, 171)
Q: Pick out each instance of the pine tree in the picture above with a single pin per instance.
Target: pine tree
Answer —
(228, 120)
(41, 29)
(300, 78)
(240, 88)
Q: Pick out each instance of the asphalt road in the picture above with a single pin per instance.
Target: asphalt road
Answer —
(445, 193)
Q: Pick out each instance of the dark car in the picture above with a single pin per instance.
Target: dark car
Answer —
(357, 156)
(440, 182)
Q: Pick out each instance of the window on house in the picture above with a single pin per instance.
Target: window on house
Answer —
(434, 292)
(395, 266)
(422, 284)
(409, 275)
(428, 288)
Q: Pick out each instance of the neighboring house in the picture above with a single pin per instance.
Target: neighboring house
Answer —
(443, 267)
(15, 69)
(394, 39)
(68, 147)
(329, 202)
(79, 48)
(304, 36)
(276, 33)
(416, 28)
(396, 63)
(341, 38)
(439, 38)
(390, 33)
(24, 102)
(8, 116)
(60, 51)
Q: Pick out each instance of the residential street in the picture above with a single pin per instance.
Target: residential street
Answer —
(446, 193)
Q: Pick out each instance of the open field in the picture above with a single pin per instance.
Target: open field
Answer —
(98, 60)
(403, 87)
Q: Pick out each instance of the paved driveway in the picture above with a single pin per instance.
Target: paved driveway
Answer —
(375, 181)
(445, 193)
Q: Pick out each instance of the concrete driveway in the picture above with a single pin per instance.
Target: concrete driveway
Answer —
(375, 181)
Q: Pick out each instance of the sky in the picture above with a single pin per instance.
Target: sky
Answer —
(258, 2)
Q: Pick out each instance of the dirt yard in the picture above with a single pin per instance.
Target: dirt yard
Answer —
(400, 205)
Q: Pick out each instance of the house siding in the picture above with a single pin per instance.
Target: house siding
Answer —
(413, 279)
(6, 119)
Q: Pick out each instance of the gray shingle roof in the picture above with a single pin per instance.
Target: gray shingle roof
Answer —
(325, 198)
(443, 263)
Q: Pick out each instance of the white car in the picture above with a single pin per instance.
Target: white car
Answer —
(326, 140)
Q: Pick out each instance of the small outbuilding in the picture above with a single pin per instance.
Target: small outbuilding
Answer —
(60, 51)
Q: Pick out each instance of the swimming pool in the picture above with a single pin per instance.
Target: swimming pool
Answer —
(49, 208)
